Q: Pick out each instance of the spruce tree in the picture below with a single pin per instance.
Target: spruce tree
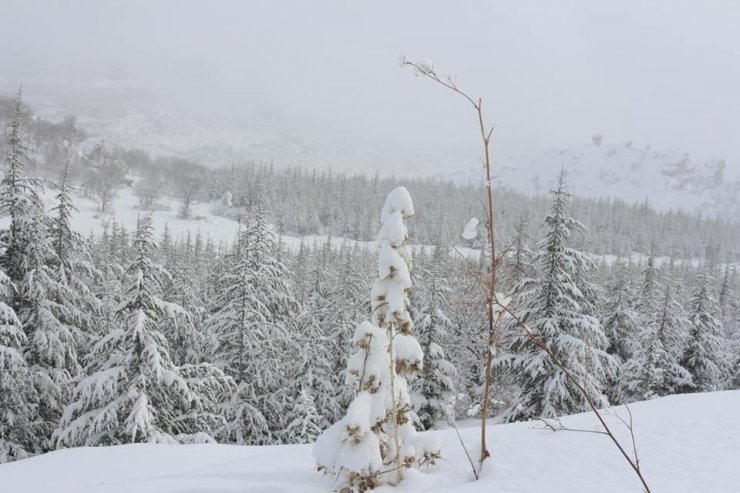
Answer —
(18, 399)
(184, 330)
(557, 311)
(133, 391)
(432, 392)
(654, 369)
(619, 315)
(19, 197)
(76, 271)
(349, 303)
(376, 439)
(47, 313)
(517, 264)
(251, 326)
(312, 368)
(303, 420)
(706, 356)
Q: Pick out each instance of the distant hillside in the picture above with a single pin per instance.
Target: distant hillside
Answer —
(665, 179)
(160, 125)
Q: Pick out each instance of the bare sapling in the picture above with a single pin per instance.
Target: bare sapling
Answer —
(494, 316)
(497, 306)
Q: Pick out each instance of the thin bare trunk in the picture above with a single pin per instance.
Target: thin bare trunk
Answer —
(394, 405)
(492, 300)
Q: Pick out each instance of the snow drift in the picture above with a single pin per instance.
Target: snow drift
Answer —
(686, 443)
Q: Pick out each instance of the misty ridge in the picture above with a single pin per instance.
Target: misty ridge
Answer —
(305, 201)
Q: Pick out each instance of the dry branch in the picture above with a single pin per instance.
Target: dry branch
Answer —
(496, 309)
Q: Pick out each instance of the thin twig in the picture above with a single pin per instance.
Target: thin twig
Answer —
(542, 345)
(448, 82)
(452, 422)
(562, 427)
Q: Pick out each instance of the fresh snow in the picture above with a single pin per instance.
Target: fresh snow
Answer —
(471, 229)
(686, 443)
(622, 170)
(86, 220)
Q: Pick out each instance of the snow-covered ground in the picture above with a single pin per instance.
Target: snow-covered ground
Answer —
(666, 179)
(88, 220)
(686, 443)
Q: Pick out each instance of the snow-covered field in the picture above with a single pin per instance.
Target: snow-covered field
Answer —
(686, 443)
(88, 220)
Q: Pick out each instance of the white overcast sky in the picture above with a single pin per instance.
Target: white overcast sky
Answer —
(552, 73)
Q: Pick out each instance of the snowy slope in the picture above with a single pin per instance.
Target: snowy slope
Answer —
(686, 443)
(221, 230)
(667, 179)
(162, 124)
(87, 219)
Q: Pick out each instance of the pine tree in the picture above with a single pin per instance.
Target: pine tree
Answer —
(184, 330)
(75, 269)
(518, 263)
(350, 302)
(19, 197)
(18, 400)
(620, 317)
(54, 305)
(557, 311)
(433, 394)
(649, 288)
(133, 391)
(312, 369)
(654, 369)
(252, 323)
(706, 355)
(469, 326)
(377, 433)
(303, 420)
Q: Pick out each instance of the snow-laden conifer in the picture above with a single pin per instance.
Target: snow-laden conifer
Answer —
(18, 400)
(252, 326)
(620, 318)
(133, 391)
(76, 271)
(557, 310)
(517, 265)
(312, 367)
(304, 421)
(432, 394)
(654, 369)
(19, 196)
(47, 313)
(706, 356)
(184, 329)
(376, 438)
(350, 303)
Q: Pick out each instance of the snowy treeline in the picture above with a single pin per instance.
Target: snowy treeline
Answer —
(324, 202)
(127, 337)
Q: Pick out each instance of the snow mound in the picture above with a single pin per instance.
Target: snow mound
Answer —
(687, 443)
(398, 200)
(471, 229)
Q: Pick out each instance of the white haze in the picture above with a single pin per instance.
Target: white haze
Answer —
(552, 73)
